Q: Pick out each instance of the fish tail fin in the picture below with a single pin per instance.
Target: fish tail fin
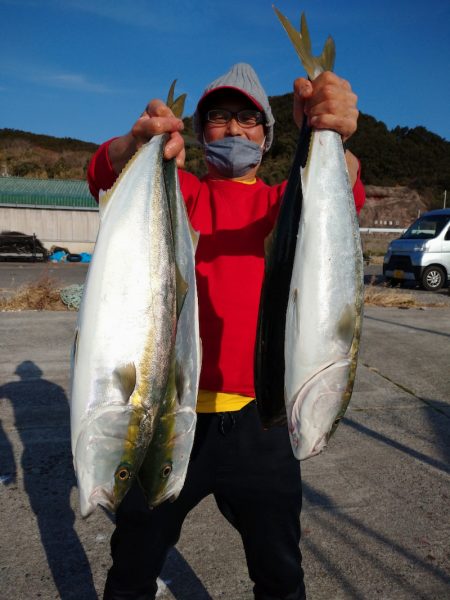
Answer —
(301, 40)
(328, 55)
(175, 104)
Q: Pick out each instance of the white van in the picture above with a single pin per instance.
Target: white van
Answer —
(422, 253)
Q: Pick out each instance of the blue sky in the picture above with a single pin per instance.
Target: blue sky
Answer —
(86, 68)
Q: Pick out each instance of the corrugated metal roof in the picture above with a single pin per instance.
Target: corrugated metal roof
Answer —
(54, 193)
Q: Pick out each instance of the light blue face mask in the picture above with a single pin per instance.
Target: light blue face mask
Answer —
(233, 156)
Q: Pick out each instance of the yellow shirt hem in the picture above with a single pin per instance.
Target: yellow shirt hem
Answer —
(214, 402)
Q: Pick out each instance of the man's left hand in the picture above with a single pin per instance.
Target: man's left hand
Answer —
(328, 102)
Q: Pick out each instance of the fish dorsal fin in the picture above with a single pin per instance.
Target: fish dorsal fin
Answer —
(314, 65)
(176, 105)
(126, 377)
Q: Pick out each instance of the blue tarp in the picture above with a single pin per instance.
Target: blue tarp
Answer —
(58, 256)
(62, 257)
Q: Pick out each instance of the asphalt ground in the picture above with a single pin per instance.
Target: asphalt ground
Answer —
(375, 521)
(14, 275)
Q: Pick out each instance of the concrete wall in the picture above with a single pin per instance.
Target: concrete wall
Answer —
(76, 230)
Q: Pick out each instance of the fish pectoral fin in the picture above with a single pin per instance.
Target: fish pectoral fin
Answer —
(126, 377)
(346, 327)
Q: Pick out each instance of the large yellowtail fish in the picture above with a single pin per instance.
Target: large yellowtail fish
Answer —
(125, 341)
(314, 315)
(164, 468)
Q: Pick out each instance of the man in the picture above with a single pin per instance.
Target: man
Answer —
(251, 472)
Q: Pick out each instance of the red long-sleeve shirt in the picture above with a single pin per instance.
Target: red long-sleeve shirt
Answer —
(233, 219)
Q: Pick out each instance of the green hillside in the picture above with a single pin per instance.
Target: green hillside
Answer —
(25, 154)
(412, 157)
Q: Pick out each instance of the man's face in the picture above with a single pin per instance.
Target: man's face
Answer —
(234, 102)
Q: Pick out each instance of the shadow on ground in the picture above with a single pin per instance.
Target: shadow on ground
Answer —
(48, 476)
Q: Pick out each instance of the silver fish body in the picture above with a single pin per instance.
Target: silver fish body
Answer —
(163, 472)
(324, 313)
(311, 303)
(125, 335)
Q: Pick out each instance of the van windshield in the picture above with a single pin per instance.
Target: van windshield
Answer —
(426, 228)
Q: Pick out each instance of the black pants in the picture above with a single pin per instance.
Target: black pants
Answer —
(256, 482)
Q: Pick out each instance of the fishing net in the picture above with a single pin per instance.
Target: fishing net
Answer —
(71, 295)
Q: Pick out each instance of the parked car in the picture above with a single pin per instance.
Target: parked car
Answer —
(422, 253)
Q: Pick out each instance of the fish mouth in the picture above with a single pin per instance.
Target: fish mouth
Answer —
(168, 495)
(99, 496)
(104, 497)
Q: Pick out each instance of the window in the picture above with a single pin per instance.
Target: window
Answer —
(426, 228)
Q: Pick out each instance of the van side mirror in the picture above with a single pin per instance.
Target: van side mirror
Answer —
(447, 235)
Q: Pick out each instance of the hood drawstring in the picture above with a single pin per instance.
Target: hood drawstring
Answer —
(227, 421)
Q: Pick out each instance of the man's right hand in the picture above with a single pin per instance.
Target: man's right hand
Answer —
(157, 118)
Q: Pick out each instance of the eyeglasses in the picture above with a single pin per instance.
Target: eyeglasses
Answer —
(245, 118)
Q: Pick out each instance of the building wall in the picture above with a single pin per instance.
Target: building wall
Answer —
(76, 230)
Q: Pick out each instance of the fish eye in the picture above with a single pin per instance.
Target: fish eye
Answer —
(123, 474)
(167, 470)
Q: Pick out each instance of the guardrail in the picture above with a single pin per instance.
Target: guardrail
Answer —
(381, 230)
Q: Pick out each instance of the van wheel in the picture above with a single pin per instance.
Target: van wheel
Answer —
(433, 278)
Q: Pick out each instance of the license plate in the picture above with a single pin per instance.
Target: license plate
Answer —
(399, 274)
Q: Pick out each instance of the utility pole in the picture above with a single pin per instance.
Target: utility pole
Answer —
(445, 198)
